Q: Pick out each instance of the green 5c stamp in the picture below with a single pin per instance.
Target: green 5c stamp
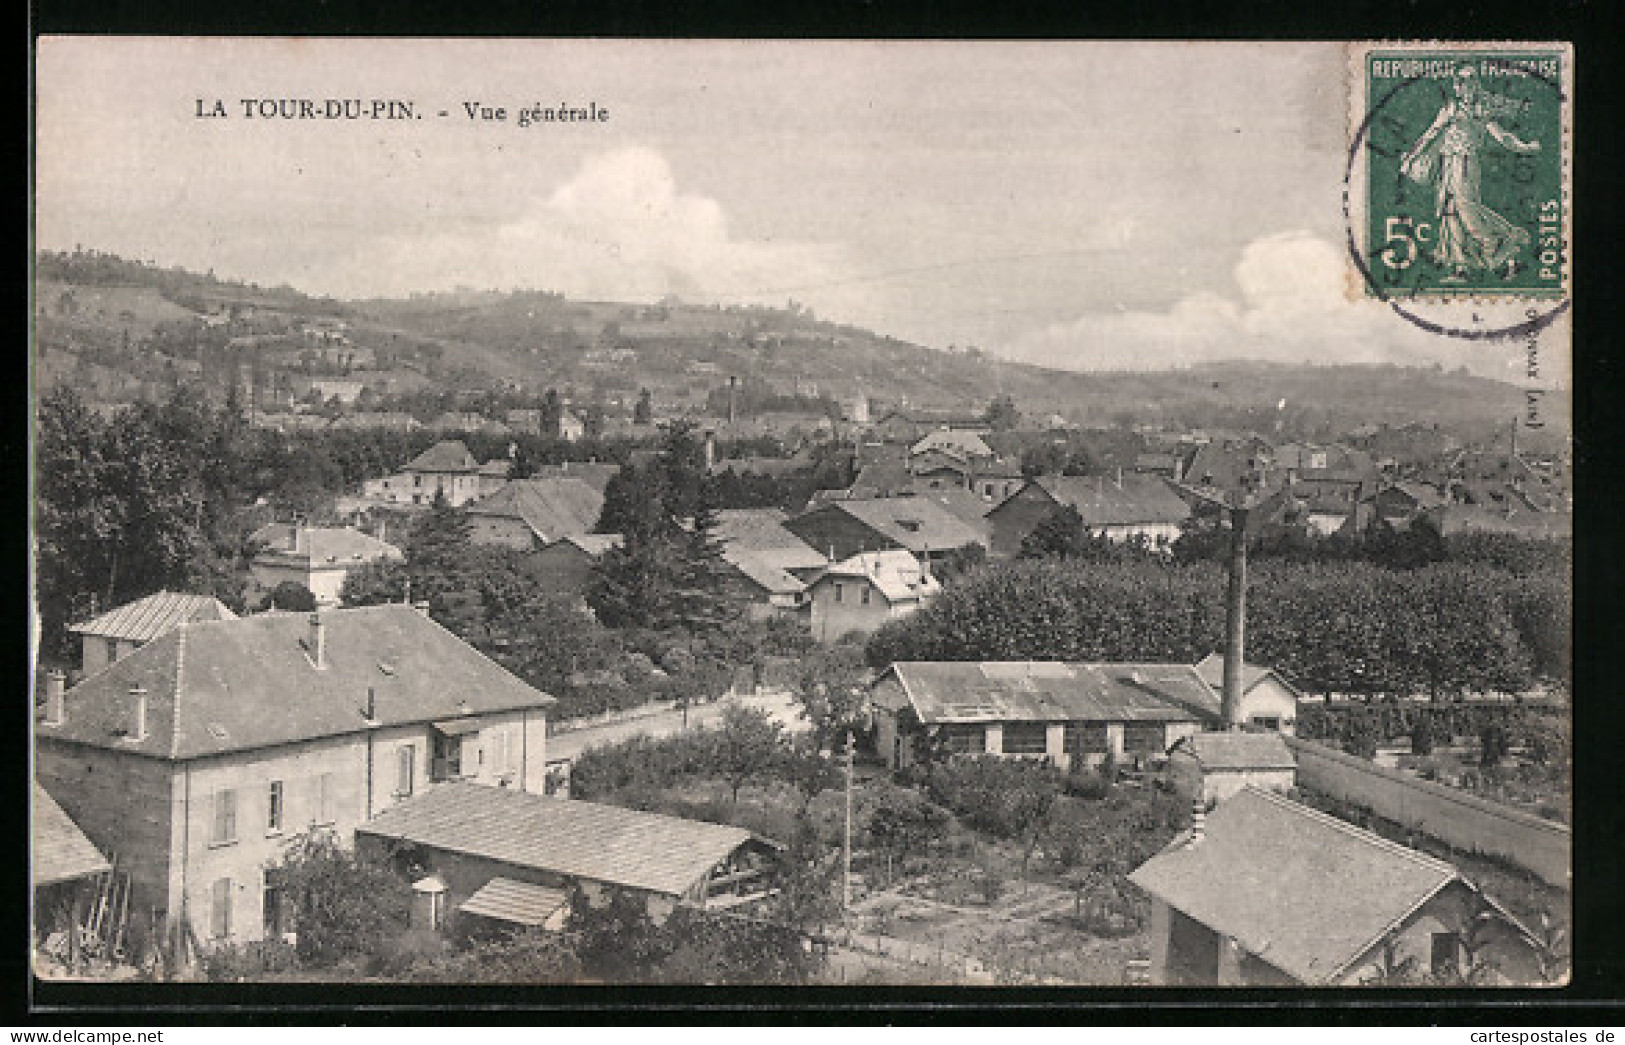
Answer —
(1459, 170)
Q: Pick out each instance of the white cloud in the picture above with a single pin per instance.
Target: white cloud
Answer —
(1293, 307)
(620, 228)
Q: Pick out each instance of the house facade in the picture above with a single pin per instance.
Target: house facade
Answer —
(1269, 703)
(1135, 506)
(446, 469)
(318, 558)
(532, 513)
(862, 592)
(197, 758)
(1062, 711)
(1214, 766)
(1266, 892)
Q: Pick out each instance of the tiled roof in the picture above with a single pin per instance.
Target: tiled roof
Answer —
(954, 441)
(962, 504)
(1211, 668)
(594, 544)
(769, 568)
(569, 837)
(145, 619)
(250, 683)
(447, 456)
(1101, 502)
(911, 522)
(1303, 891)
(60, 852)
(518, 902)
(554, 507)
(896, 574)
(1238, 750)
(322, 545)
(1054, 691)
(594, 473)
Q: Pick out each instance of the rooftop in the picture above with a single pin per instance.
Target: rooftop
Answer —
(1102, 502)
(1238, 750)
(145, 619)
(449, 455)
(1054, 691)
(59, 850)
(896, 574)
(914, 523)
(553, 507)
(322, 545)
(569, 837)
(251, 683)
(1303, 891)
(1211, 668)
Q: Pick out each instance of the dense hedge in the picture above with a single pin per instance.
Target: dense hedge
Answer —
(1348, 627)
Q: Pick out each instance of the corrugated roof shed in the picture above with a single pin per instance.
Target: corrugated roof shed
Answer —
(554, 507)
(60, 852)
(1054, 691)
(1303, 891)
(145, 619)
(250, 683)
(1237, 750)
(568, 837)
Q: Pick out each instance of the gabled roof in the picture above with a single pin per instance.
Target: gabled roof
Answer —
(962, 504)
(569, 837)
(955, 441)
(1237, 750)
(590, 544)
(250, 683)
(896, 574)
(1305, 892)
(145, 619)
(913, 523)
(59, 851)
(1211, 668)
(449, 455)
(759, 528)
(1054, 691)
(321, 546)
(554, 507)
(1101, 502)
(766, 568)
(595, 474)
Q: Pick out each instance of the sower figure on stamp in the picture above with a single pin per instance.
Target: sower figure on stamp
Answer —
(1446, 157)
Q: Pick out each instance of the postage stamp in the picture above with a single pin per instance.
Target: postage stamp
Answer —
(1459, 170)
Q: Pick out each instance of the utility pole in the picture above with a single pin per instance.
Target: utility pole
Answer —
(846, 849)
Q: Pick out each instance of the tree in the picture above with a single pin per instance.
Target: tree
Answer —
(806, 768)
(343, 904)
(832, 688)
(1002, 414)
(749, 745)
(902, 822)
(291, 595)
(960, 560)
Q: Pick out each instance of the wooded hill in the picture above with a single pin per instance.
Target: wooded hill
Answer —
(129, 312)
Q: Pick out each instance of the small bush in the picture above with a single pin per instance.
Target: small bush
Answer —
(233, 963)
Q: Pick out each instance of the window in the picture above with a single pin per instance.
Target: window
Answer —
(967, 739)
(112, 650)
(225, 817)
(1265, 723)
(406, 765)
(322, 808)
(220, 909)
(273, 807)
(1025, 738)
(1144, 738)
(839, 593)
(1446, 956)
(274, 912)
(867, 592)
(1086, 738)
(1317, 459)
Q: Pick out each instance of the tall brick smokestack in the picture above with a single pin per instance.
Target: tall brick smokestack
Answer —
(1235, 621)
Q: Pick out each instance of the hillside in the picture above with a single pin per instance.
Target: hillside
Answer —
(144, 326)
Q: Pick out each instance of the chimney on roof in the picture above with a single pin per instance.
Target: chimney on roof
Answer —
(138, 730)
(733, 390)
(372, 705)
(710, 450)
(422, 607)
(1198, 823)
(1119, 477)
(317, 644)
(56, 687)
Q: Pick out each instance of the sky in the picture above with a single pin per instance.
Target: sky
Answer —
(1079, 205)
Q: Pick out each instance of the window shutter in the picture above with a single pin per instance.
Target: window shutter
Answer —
(220, 909)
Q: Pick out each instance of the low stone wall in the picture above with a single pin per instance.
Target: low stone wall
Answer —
(1454, 817)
